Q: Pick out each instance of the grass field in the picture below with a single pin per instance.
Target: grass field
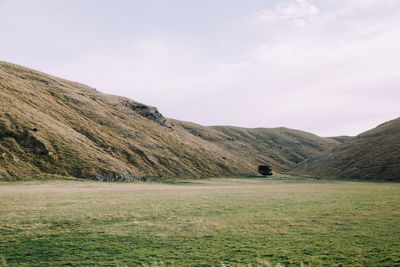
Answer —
(208, 222)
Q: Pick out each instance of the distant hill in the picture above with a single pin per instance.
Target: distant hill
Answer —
(53, 127)
(279, 147)
(374, 154)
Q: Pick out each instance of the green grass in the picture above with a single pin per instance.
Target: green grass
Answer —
(204, 223)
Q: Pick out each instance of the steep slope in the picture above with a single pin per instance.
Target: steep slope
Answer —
(374, 154)
(50, 126)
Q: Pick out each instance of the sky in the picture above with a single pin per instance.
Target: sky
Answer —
(330, 67)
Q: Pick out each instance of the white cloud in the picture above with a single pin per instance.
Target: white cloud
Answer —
(350, 6)
(297, 10)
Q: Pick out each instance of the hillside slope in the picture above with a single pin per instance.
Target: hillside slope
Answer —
(374, 154)
(50, 126)
(279, 147)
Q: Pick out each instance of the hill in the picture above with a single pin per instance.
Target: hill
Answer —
(278, 147)
(374, 154)
(53, 127)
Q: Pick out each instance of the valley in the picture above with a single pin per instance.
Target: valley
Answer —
(206, 222)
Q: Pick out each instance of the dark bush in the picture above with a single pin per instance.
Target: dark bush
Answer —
(264, 170)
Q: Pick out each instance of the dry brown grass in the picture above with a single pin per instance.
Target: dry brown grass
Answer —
(83, 133)
(373, 155)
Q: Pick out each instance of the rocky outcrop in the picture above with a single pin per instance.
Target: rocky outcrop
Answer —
(126, 176)
(151, 113)
(148, 112)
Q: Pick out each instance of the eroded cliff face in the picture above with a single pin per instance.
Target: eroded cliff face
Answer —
(53, 127)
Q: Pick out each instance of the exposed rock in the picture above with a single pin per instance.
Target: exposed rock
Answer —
(148, 112)
(126, 176)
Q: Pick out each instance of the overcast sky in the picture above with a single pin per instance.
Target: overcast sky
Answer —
(330, 67)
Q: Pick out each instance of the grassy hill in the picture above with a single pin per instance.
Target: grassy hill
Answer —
(278, 147)
(374, 154)
(53, 127)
